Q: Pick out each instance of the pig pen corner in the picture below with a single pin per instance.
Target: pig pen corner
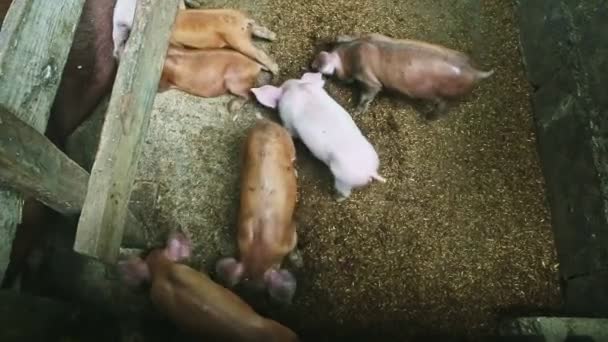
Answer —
(474, 223)
(488, 223)
(459, 233)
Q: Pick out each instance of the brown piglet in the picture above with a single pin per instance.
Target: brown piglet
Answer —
(212, 72)
(266, 229)
(196, 304)
(417, 69)
(219, 28)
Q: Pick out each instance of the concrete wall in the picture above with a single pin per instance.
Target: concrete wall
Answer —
(565, 49)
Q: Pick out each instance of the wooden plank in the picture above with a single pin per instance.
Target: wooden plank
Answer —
(32, 165)
(102, 221)
(35, 41)
(35, 167)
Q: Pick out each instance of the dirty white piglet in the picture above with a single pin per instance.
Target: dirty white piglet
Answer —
(122, 20)
(329, 132)
(124, 11)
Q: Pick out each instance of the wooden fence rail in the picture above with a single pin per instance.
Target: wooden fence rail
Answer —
(101, 224)
(33, 166)
(34, 44)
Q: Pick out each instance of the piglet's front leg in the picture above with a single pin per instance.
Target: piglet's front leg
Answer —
(439, 109)
(295, 258)
(370, 87)
(343, 190)
(367, 95)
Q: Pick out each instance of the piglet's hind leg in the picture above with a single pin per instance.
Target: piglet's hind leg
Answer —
(345, 38)
(262, 32)
(236, 104)
(240, 88)
(193, 3)
(295, 257)
(246, 47)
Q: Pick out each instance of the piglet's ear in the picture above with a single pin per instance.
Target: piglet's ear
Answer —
(268, 95)
(229, 271)
(133, 271)
(313, 77)
(281, 285)
(178, 247)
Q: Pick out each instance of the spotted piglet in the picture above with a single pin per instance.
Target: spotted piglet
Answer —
(413, 68)
(329, 132)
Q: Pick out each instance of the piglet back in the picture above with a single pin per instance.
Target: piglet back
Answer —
(204, 308)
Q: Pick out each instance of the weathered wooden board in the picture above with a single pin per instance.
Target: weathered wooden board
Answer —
(101, 224)
(32, 165)
(35, 41)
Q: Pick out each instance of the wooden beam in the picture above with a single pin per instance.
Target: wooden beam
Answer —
(101, 224)
(33, 166)
(35, 41)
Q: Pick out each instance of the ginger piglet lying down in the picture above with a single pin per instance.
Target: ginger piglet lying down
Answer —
(219, 28)
(211, 73)
(201, 29)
